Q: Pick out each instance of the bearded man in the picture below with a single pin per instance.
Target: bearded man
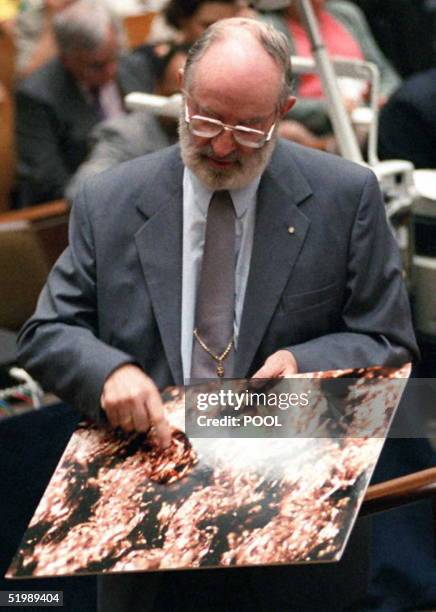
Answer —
(313, 282)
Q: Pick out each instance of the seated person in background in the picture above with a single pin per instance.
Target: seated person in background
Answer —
(346, 34)
(138, 133)
(33, 27)
(407, 124)
(59, 104)
(184, 21)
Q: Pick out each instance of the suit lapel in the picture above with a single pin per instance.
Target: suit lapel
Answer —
(280, 231)
(159, 244)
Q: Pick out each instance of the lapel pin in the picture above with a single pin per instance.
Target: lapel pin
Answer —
(291, 229)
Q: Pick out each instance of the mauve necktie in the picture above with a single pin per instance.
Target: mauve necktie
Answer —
(213, 333)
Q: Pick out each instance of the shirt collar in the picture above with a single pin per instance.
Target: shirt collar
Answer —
(242, 198)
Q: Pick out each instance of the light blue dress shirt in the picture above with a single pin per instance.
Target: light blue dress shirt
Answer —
(196, 199)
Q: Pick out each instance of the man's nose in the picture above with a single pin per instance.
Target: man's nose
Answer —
(223, 144)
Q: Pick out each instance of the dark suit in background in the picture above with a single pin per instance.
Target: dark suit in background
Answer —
(53, 123)
(407, 124)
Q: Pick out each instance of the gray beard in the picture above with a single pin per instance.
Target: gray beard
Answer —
(247, 167)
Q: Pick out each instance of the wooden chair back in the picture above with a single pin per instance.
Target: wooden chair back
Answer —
(7, 148)
(7, 56)
(400, 491)
(137, 28)
(30, 241)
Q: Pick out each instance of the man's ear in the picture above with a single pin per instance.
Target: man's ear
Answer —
(288, 105)
(181, 78)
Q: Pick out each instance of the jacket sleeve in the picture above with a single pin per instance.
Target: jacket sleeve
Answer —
(376, 326)
(59, 344)
(42, 174)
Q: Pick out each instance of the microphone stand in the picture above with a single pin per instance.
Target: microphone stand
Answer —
(342, 127)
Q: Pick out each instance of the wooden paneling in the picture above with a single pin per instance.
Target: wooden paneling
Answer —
(137, 28)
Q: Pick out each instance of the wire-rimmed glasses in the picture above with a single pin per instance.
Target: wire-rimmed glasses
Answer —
(206, 127)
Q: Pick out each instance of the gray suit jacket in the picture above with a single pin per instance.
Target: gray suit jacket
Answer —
(330, 289)
(53, 123)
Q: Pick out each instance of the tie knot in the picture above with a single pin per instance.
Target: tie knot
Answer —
(222, 199)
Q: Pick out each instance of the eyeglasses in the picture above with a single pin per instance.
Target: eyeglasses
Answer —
(205, 127)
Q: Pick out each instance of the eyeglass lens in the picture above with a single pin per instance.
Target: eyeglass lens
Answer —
(209, 129)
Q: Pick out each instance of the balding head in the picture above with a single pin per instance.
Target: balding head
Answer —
(235, 49)
(87, 36)
(84, 25)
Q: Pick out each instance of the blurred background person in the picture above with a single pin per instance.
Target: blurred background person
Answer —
(34, 36)
(184, 21)
(407, 123)
(59, 104)
(346, 34)
(138, 133)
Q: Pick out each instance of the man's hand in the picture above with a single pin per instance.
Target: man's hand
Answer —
(280, 364)
(131, 401)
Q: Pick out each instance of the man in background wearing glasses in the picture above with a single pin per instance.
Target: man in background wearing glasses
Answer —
(317, 286)
(59, 104)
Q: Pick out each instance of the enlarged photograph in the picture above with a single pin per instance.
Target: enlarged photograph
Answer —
(118, 503)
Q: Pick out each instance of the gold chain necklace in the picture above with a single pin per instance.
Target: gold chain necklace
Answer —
(218, 358)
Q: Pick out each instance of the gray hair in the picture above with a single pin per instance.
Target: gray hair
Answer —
(84, 24)
(274, 42)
